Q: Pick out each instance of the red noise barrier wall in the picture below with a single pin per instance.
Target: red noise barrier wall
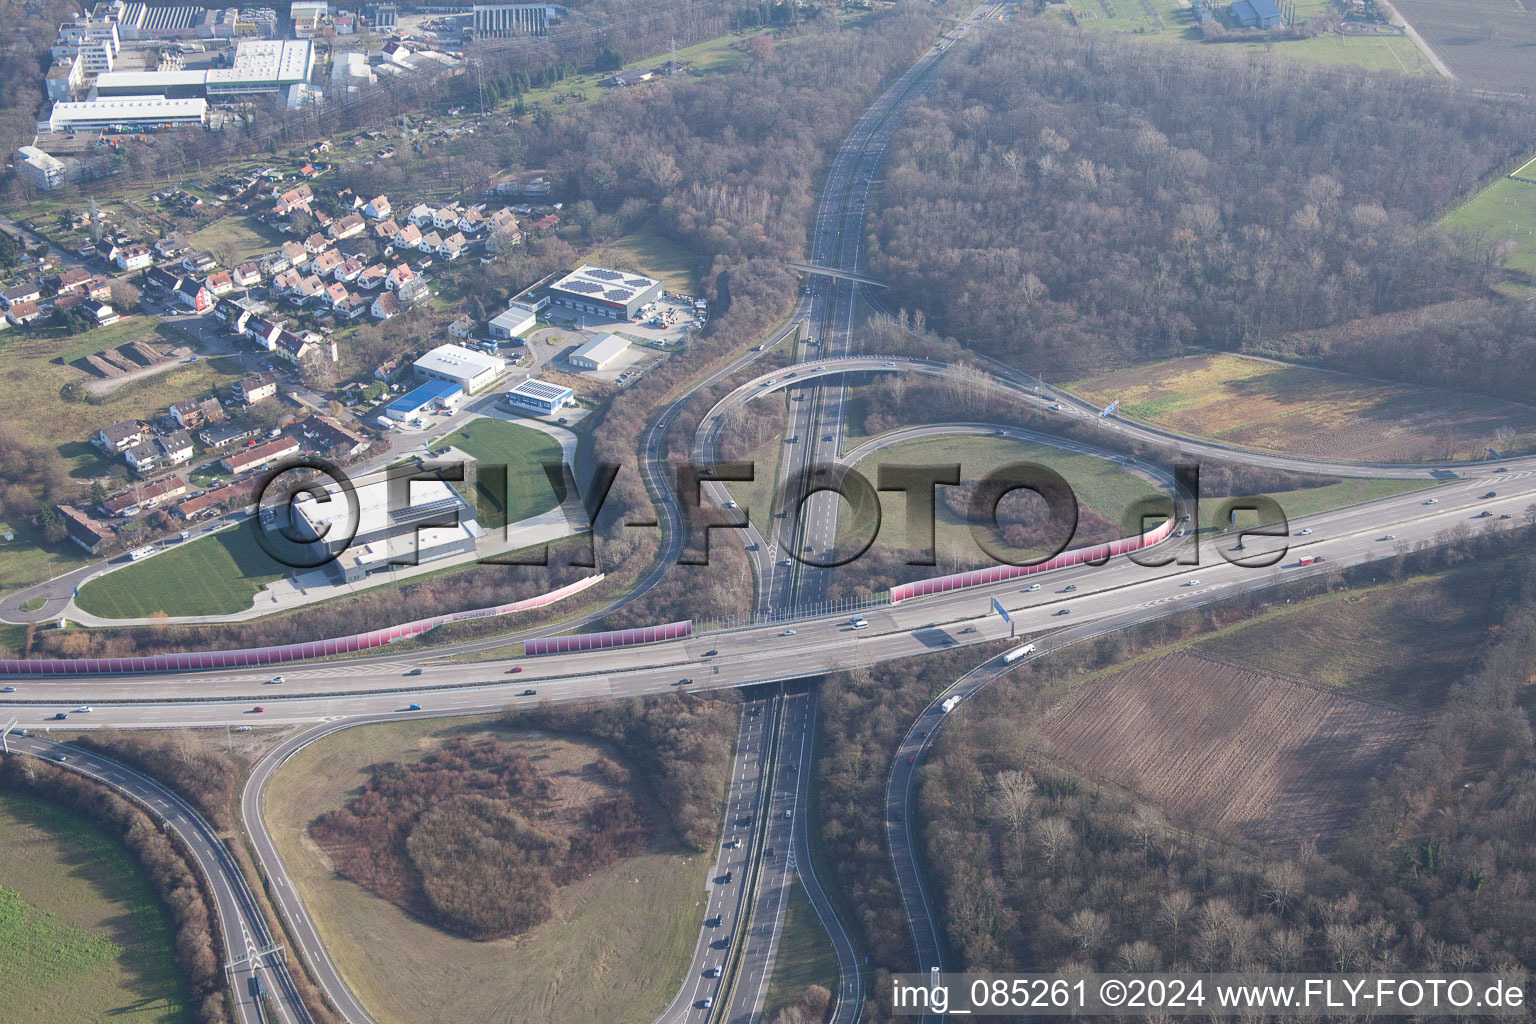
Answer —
(191, 661)
(999, 573)
(613, 638)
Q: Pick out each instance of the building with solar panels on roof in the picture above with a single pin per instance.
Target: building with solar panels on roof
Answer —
(390, 534)
(539, 396)
(598, 291)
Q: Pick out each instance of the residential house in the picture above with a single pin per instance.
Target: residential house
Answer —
(119, 436)
(295, 254)
(22, 293)
(421, 215)
(142, 457)
(311, 288)
(544, 225)
(323, 219)
(248, 459)
(352, 307)
(220, 282)
(293, 347)
(372, 278)
(256, 388)
(378, 208)
(287, 283)
(73, 280)
(462, 328)
(192, 294)
(82, 530)
(99, 289)
(430, 242)
(134, 257)
(387, 369)
(199, 261)
(316, 243)
(161, 279)
(336, 293)
(107, 249)
(330, 436)
(175, 447)
(472, 220)
(223, 436)
(385, 306)
(348, 271)
(246, 275)
(145, 496)
(446, 218)
(23, 313)
(325, 264)
(348, 227)
(103, 313)
(188, 415)
(172, 245)
(386, 230)
(409, 237)
(453, 246)
(263, 332)
(295, 199)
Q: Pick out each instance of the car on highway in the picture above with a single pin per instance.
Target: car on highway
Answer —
(258, 709)
(84, 709)
(1056, 406)
(1388, 536)
(1031, 588)
(61, 716)
(1304, 532)
(890, 364)
(7, 689)
(733, 844)
(413, 707)
(712, 922)
(61, 758)
(1484, 514)
(826, 437)
(1502, 469)
(786, 563)
(529, 693)
(787, 632)
(793, 439)
(685, 680)
(275, 681)
(1490, 494)
(1430, 501)
(706, 1003)
(1504, 515)
(1067, 589)
(1065, 611)
(912, 759)
(1190, 583)
(729, 504)
(515, 669)
(858, 622)
(414, 672)
(711, 653)
(788, 814)
(713, 972)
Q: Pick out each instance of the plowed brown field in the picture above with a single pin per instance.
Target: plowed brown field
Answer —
(1226, 748)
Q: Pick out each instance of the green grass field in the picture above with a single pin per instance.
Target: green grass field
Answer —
(523, 451)
(1505, 210)
(614, 952)
(82, 936)
(647, 251)
(245, 237)
(805, 957)
(1308, 501)
(214, 575)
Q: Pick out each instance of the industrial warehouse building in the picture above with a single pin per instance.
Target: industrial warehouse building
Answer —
(499, 21)
(127, 113)
(434, 394)
(598, 353)
(598, 291)
(537, 396)
(456, 364)
(519, 317)
(388, 533)
(260, 66)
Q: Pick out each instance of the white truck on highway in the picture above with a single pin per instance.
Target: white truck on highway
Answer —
(950, 703)
(1017, 653)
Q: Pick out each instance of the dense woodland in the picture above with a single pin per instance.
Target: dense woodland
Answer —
(1069, 202)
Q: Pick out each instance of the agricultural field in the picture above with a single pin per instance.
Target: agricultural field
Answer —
(523, 451)
(613, 952)
(1506, 210)
(1226, 748)
(1486, 43)
(1280, 407)
(214, 575)
(1172, 21)
(1405, 642)
(653, 254)
(82, 936)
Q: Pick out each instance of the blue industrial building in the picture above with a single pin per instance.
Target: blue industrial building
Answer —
(537, 396)
(434, 393)
(1256, 13)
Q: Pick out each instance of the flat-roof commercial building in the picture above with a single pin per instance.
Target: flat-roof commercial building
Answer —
(128, 113)
(537, 396)
(42, 170)
(456, 364)
(258, 66)
(433, 394)
(388, 526)
(603, 292)
(598, 353)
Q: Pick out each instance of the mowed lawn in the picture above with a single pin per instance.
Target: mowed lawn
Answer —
(213, 575)
(523, 451)
(1306, 501)
(245, 237)
(653, 255)
(83, 938)
(1257, 403)
(614, 952)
